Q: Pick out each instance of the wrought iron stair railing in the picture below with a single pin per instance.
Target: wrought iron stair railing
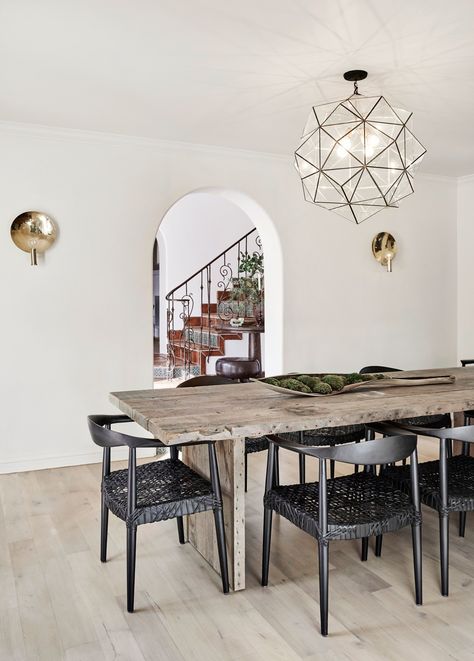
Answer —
(196, 306)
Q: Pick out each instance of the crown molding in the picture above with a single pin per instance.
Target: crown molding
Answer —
(466, 179)
(40, 131)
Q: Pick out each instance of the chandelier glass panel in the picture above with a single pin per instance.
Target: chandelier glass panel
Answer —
(358, 156)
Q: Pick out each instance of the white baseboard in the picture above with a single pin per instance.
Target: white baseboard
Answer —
(41, 463)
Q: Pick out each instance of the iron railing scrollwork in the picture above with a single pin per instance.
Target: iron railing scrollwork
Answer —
(203, 298)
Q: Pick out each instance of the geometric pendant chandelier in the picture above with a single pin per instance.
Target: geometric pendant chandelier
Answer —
(358, 156)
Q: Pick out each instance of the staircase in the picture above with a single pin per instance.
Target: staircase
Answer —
(200, 308)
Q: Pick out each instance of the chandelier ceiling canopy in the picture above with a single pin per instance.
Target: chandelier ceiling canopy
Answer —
(358, 156)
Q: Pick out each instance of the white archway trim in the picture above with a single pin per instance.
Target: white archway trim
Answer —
(273, 269)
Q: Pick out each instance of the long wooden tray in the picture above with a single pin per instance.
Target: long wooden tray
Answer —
(374, 384)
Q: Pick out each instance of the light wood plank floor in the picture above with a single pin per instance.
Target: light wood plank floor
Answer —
(57, 601)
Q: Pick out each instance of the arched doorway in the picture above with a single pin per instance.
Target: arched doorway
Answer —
(202, 239)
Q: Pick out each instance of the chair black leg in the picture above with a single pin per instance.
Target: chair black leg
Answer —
(104, 510)
(356, 466)
(323, 586)
(246, 471)
(131, 560)
(416, 537)
(332, 468)
(365, 549)
(378, 545)
(302, 460)
(444, 553)
(220, 534)
(179, 521)
(276, 472)
(104, 526)
(462, 523)
(267, 539)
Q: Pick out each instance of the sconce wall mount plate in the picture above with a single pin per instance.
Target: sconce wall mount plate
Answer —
(384, 249)
(33, 232)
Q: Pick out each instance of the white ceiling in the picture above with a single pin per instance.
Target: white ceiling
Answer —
(238, 74)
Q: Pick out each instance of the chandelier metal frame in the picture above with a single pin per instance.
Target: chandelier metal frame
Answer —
(358, 156)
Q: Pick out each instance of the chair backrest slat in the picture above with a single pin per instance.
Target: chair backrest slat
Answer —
(374, 369)
(206, 380)
(380, 451)
(463, 434)
(108, 438)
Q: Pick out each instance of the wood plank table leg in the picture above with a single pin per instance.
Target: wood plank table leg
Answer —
(458, 421)
(200, 527)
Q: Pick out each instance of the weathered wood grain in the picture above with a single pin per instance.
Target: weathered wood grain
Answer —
(177, 416)
(201, 527)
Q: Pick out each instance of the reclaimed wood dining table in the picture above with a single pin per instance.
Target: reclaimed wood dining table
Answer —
(230, 414)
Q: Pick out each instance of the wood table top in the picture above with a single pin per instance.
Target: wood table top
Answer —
(184, 415)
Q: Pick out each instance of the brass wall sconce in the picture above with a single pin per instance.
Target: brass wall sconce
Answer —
(33, 232)
(384, 249)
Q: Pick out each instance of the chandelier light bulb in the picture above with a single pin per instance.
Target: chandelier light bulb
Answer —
(358, 156)
(344, 145)
(372, 140)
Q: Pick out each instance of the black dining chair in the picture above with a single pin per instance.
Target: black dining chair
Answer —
(155, 491)
(325, 436)
(446, 485)
(437, 421)
(349, 507)
(468, 415)
(251, 444)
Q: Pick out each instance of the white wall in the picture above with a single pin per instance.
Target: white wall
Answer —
(358, 314)
(465, 287)
(80, 325)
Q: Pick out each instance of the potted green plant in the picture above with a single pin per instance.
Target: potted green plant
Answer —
(247, 291)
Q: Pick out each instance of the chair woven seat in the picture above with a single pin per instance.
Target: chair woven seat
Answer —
(431, 421)
(359, 505)
(256, 444)
(460, 482)
(165, 489)
(328, 435)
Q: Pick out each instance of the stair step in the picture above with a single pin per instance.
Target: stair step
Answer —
(223, 295)
(212, 316)
(197, 356)
(177, 372)
(206, 306)
(217, 338)
(214, 319)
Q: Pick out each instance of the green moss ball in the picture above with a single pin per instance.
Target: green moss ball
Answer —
(272, 381)
(353, 378)
(294, 384)
(336, 382)
(309, 380)
(322, 388)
